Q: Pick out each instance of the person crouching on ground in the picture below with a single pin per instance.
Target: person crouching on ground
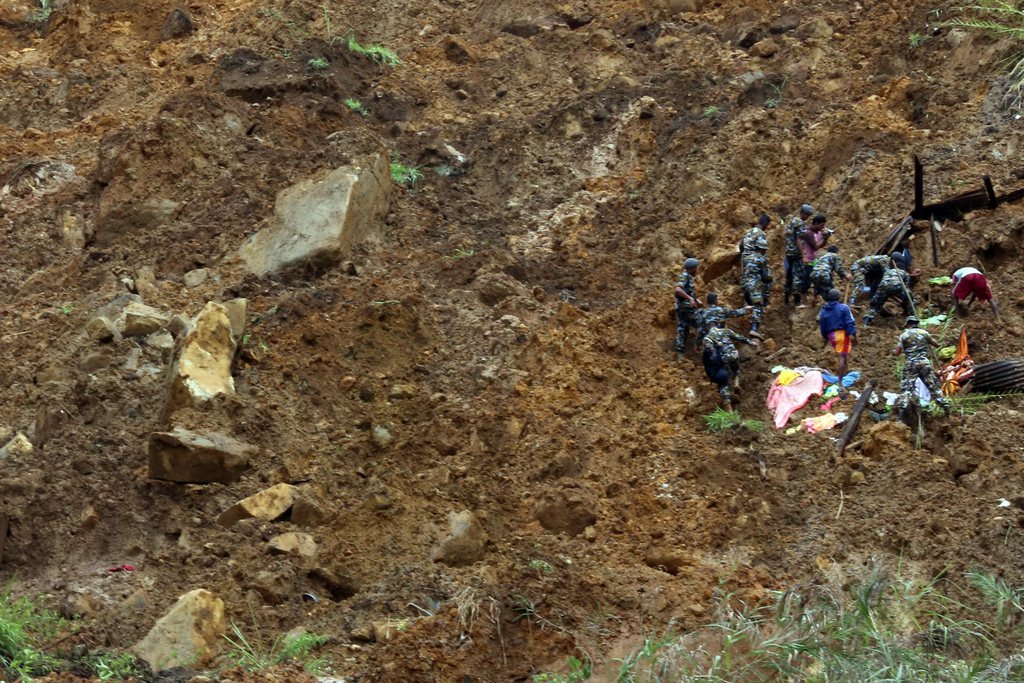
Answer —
(835, 320)
(969, 282)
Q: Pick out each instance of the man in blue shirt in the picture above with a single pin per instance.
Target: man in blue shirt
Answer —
(838, 328)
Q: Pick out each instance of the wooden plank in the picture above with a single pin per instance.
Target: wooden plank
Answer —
(935, 244)
(858, 410)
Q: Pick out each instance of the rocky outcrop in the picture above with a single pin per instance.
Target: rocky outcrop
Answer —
(319, 220)
(186, 634)
(196, 457)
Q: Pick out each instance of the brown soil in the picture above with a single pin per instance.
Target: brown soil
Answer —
(527, 300)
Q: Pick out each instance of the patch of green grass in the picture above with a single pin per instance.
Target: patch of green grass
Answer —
(579, 670)
(110, 667)
(876, 628)
(41, 14)
(916, 40)
(775, 101)
(356, 106)
(541, 566)
(286, 648)
(710, 112)
(405, 175)
(318, 64)
(1004, 19)
(720, 420)
(24, 625)
(377, 53)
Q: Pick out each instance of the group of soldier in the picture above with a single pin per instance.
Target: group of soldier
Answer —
(811, 267)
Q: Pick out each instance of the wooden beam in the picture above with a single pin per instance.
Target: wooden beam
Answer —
(858, 410)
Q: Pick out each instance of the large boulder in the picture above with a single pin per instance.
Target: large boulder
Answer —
(202, 369)
(186, 634)
(267, 505)
(318, 221)
(197, 457)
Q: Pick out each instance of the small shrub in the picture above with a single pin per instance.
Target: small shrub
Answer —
(710, 112)
(377, 53)
(721, 420)
(318, 64)
(356, 106)
(109, 667)
(405, 175)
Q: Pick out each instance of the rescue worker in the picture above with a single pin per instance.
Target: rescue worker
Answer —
(755, 235)
(687, 303)
(837, 327)
(794, 228)
(822, 271)
(867, 272)
(970, 282)
(757, 282)
(722, 360)
(894, 284)
(713, 313)
(915, 344)
(810, 241)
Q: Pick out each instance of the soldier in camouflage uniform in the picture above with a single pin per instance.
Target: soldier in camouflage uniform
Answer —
(867, 272)
(757, 282)
(915, 344)
(687, 303)
(755, 235)
(793, 263)
(894, 284)
(822, 270)
(722, 360)
(714, 315)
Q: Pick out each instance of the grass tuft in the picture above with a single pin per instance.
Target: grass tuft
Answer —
(405, 175)
(721, 420)
(377, 53)
(288, 647)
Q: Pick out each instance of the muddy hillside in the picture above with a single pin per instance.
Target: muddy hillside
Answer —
(479, 451)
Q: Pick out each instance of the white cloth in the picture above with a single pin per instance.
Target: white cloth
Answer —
(964, 272)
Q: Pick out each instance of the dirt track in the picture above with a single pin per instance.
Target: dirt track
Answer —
(526, 302)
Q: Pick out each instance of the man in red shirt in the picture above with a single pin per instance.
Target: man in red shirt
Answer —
(969, 282)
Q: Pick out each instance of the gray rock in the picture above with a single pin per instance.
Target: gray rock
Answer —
(319, 220)
(101, 329)
(140, 320)
(381, 437)
(465, 541)
(177, 25)
(194, 278)
(198, 458)
(16, 447)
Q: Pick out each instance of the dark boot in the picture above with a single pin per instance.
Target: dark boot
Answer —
(785, 298)
(755, 331)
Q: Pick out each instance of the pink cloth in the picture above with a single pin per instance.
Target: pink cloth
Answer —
(784, 400)
(807, 252)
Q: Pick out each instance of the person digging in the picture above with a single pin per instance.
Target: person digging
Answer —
(722, 360)
(916, 344)
(970, 284)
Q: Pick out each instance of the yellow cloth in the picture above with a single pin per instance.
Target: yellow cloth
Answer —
(787, 377)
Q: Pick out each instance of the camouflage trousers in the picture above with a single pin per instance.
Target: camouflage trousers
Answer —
(913, 371)
(883, 294)
(792, 264)
(686, 318)
(822, 283)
